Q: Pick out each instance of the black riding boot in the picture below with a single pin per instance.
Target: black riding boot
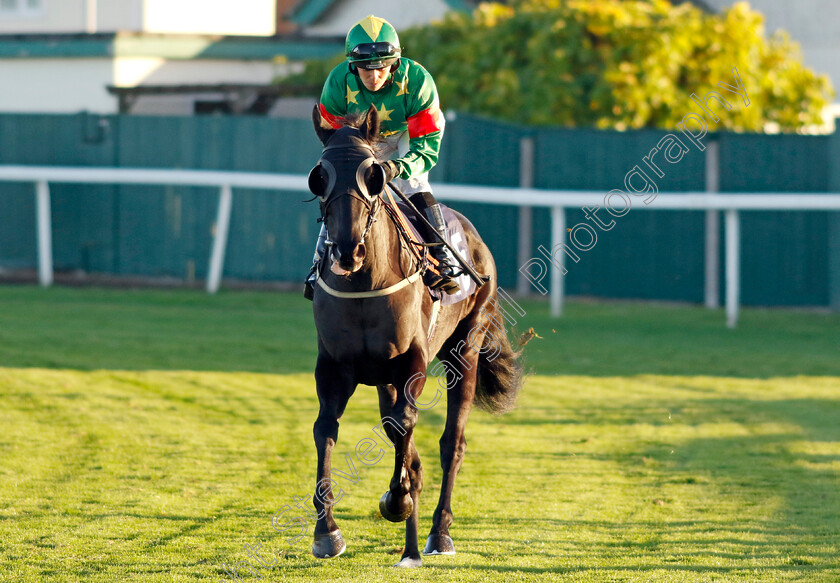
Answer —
(446, 261)
(320, 249)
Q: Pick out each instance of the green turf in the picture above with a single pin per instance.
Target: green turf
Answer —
(149, 436)
(90, 329)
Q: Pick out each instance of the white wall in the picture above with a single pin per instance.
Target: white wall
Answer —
(56, 85)
(338, 19)
(220, 17)
(72, 85)
(119, 15)
(231, 17)
(131, 71)
(57, 16)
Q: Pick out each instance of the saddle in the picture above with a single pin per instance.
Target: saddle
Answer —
(407, 221)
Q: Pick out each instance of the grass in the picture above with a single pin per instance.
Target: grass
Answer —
(151, 435)
(273, 333)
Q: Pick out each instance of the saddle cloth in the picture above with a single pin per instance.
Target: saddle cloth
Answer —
(457, 239)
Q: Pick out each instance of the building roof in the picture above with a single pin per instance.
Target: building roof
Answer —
(701, 4)
(308, 12)
(241, 97)
(184, 47)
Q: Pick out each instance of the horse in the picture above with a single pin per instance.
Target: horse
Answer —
(373, 316)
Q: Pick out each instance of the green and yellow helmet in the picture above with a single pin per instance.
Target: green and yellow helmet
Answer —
(372, 43)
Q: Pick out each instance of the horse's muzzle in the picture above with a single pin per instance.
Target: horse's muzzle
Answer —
(349, 258)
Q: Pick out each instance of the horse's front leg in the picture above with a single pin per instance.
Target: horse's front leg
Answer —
(402, 500)
(334, 385)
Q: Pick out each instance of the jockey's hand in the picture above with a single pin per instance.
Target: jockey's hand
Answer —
(391, 170)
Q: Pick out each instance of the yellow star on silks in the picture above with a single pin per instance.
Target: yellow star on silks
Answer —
(351, 96)
(384, 114)
(403, 87)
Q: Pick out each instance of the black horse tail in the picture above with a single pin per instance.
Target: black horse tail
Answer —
(499, 369)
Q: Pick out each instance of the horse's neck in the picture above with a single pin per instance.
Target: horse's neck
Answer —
(386, 258)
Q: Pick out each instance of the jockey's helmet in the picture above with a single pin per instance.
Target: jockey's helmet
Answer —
(373, 43)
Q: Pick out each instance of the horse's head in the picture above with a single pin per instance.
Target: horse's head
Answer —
(348, 181)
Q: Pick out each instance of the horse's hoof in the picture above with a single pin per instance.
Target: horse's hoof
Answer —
(399, 514)
(409, 563)
(328, 545)
(439, 544)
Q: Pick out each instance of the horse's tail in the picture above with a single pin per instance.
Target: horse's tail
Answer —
(499, 370)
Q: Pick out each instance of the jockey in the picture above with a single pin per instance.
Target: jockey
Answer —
(406, 98)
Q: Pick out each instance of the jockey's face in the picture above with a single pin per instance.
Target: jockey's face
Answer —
(374, 79)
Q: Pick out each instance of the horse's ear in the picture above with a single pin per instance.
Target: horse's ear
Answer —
(370, 127)
(322, 128)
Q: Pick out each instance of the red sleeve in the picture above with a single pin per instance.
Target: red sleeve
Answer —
(333, 120)
(424, 122)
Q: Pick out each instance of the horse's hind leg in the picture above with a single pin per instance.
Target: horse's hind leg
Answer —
(334, 389)
(453, 444)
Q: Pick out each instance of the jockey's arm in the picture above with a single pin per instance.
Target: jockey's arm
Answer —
(425, 125)
(421, 156)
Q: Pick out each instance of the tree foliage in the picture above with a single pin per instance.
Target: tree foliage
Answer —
(615, 64)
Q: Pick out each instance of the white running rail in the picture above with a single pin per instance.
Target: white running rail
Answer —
(556, 200)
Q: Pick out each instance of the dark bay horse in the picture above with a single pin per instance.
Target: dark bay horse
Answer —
(373, 316)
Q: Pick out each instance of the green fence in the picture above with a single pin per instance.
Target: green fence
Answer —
(160, 231)
(651, 255)
(784, 255)
(790, 258)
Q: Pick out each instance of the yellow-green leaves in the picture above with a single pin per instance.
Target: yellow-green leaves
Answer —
(615, 64)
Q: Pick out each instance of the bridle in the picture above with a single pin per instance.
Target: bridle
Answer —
(372, 202)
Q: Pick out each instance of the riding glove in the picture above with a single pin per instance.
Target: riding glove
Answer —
(391, 170)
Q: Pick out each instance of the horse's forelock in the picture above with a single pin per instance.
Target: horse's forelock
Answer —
(354, 120)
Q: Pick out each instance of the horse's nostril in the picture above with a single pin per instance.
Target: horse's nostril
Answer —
(349, 257)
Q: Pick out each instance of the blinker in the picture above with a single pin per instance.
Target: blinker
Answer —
(323, 177)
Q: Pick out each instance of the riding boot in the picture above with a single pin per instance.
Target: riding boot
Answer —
(320, 250)
(446, 261)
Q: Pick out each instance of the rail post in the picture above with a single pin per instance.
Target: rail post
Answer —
(217, 256)
(526, 213)
(733, 267)
(558, 236)
(44, 213)
(712, 247)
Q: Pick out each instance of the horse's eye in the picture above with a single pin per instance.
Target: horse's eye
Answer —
(318, 181)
